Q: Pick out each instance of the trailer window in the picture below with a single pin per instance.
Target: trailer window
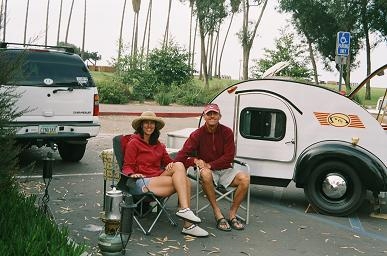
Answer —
(263, 124)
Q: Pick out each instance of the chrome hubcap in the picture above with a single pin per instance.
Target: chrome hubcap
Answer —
(334, 185)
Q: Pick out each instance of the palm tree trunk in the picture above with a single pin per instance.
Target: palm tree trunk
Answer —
(312, 59)
(216, 53)
(224, 43)
(194, 45)
(121, 27)
(146, 28)
(84, 31)
(5, 20)
(166, 33)
(1, 14)
(209, 54)
(136, 8)
(133, 29)
(203, 54)
(149, 27)
(59, 21)
(25, 22)
(69, 21)
(47, 13)
(249, 37)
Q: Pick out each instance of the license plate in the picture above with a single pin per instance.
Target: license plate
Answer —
(48, 129)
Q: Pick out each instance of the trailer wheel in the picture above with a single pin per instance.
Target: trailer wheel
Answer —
(334, 188)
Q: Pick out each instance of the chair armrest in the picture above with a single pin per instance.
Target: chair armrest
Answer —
(126, 183)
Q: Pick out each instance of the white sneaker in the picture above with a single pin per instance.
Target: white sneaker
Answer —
(188, 215)
(194, 230)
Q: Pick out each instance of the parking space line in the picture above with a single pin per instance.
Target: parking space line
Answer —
(356, 223)
(60, 175)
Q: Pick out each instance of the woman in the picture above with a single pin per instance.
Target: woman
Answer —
(147, 160)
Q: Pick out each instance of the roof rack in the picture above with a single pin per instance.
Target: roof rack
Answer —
(65, 48)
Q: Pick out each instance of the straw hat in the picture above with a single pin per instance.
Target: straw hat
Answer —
(148, 115)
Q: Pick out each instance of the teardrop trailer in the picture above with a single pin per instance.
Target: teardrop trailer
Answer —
(322, 140)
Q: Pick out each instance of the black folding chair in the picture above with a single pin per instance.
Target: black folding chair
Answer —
(126, 185)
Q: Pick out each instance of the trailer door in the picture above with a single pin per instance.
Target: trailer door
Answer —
(265, 128)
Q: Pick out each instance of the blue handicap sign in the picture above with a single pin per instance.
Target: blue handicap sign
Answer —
(343, 43)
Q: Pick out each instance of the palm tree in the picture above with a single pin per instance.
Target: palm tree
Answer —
(249, 35)
(191, 5)
(136, 8)
(149, 26)
(234, 9)
(1, 14)
(147, 29)
(68, 23)
(59, 21)
(4, 19)
(120, 38)
(26, 21)
(166, 33)
(48, 11)
(84, 31)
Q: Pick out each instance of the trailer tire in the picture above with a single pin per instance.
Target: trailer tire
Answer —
(334, 188)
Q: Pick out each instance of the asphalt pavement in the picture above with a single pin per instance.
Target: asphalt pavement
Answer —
(279, 224)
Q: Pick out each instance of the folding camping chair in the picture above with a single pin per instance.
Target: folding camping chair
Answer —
(221, 192)
(119, 144)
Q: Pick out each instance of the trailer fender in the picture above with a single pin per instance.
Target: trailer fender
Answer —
(370, 170)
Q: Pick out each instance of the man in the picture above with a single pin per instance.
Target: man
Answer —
(211, 149)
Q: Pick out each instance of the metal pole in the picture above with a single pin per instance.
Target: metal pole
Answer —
(341, 74)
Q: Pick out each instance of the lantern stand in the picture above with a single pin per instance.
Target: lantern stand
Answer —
(127, 210)
(47, 177)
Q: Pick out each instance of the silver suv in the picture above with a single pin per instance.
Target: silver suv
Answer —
(59, 96)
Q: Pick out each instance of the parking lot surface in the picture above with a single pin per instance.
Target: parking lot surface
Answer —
(279, 223)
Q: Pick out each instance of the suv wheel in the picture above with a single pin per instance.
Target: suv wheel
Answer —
(71, 152)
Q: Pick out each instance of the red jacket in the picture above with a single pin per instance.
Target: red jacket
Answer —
(216, 149)
(140, 157)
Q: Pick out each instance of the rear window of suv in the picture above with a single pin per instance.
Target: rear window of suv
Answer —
(44, 68)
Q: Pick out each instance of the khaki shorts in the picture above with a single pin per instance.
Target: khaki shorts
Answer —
(222, 177)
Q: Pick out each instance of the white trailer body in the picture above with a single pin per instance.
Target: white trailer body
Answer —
(291, 131)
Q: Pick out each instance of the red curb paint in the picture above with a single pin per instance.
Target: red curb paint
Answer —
(163, 114)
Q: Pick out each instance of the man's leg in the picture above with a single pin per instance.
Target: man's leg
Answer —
(241, 182)
(209, 190)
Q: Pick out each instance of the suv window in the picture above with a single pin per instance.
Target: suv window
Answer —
(262, 124)
(61, 68)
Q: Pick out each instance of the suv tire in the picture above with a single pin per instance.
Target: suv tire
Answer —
(72, 152)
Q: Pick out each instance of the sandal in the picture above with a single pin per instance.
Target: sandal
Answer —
(222, 224)
(236, 224)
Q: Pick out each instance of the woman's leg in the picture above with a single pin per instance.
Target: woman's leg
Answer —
(183, 189)
(170, 182)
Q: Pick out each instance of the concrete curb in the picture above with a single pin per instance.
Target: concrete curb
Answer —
(160, 114)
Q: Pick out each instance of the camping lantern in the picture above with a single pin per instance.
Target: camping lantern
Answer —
(109, 241)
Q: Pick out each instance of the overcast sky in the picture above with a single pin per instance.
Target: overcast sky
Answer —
(103, 24)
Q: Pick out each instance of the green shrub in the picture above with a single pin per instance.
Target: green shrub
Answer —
(169, 65)
(113, 92)
(29, 232)
(194, 94)
(145, 86)
(164, 98)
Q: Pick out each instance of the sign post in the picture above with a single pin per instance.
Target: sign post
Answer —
(342, 51)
